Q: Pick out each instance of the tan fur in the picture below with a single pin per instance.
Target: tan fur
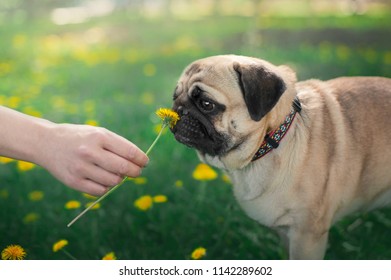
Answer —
(335, 159)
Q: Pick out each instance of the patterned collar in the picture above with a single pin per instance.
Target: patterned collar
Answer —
(274, 137)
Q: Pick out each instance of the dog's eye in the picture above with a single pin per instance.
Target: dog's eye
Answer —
(207, 105)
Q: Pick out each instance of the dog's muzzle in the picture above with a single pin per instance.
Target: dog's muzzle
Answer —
(196, 132)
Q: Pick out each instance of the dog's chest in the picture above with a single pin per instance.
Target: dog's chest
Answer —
(268, 206)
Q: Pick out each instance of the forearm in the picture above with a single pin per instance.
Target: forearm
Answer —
(22, 136)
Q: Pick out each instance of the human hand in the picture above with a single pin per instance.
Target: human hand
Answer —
(89, 159)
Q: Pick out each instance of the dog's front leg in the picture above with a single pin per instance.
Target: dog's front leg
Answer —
(307, 245)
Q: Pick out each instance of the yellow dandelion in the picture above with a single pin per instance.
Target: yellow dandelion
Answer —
(36, 195)
(94, 207)
(198, 253)
(168, 116)
(92, 122)
(32, 112)
(140, 180)
(109, 256)
(13, 252)
(144, 203)
(72, 204)
(179, 184)
(30, 218)
(25, 166)
(204, 172)
(159, 198)
(226, 179)
(14, 101)
(59, 245)
(157, 128)
(88, 196)
(5, 160)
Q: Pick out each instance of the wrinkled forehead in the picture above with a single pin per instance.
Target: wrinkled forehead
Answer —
(213, 76)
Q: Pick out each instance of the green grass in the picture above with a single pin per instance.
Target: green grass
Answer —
(56, 72)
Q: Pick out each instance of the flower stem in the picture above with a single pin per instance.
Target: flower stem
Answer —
(116, 186)
(156, 139)
(69, 255)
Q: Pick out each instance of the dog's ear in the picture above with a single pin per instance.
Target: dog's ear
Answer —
(261, 89)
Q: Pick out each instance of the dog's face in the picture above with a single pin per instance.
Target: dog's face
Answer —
(226, 105)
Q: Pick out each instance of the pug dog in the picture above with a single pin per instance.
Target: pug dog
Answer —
(300, 155)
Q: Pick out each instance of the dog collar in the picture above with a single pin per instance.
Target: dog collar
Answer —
(274, 137)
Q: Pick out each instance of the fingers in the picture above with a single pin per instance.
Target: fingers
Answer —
(91, 187)
(127, 150)
(117, 165)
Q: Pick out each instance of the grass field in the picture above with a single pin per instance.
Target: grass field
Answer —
(115, 72)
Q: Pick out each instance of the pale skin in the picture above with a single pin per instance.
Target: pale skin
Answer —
(86, 158)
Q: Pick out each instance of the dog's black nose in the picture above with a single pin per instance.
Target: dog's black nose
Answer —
(182, 111)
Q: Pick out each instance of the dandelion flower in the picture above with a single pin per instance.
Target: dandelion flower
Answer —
(36, 195)
(179, 184)
(25, 166)
(72, 204)
(140, 180)
(88, 196)
(168, 116)
(92, 122)
(204, 172)
(160, 198)
(30, 218)
(5, 160)
(13, 252)
(109, 256)
(59, 245)
(144, 203)
(93, 207)
(198, 253)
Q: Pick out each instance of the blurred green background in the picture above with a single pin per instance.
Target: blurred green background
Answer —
(112, 63)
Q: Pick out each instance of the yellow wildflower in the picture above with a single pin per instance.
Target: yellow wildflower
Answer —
(144, 203)
(5, 160)
(204, 172)
(179, 183)
(36, 195)
(96, 206)
(59, 245)
(226, 178)
(72, 204)
(157, 128)
(30, 218)
(14, 101)
(160, 198)
(32, 112)
(13, 252)
(86, 195)
(198, 253)
(140, 180)
(168, 116)
(109, 256)
(92, 122)
(25, 166)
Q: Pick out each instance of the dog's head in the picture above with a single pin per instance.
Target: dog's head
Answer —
(227, 103)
